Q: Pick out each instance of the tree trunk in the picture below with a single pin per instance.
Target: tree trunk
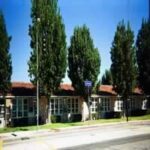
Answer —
(85, 111)
(5, 111)
(125, 106)
(90, 114)
(49, 109)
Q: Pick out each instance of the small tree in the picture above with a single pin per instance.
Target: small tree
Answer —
(123, 66)
(83, 59)
(5, 58)
(107, 78)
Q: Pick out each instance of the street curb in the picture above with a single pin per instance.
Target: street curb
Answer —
(103, 124)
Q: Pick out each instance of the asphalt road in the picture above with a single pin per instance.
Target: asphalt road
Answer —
(140, 142)
(110, 137)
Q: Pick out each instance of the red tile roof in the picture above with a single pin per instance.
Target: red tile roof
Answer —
(68, 87)
(107, 88)
(22, 89)
(27, 85)
(138, 91)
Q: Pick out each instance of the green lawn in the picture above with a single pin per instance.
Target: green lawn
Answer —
(56, 126)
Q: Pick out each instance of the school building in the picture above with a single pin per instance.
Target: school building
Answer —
(18, 107)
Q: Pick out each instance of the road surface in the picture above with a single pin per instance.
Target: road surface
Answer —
(140, 142)
(125, 136)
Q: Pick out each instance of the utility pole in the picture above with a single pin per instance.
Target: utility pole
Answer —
(37, 63)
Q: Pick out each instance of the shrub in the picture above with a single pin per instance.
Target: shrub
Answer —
(138, 112)
(109, 115)
(148, 111)
(76, 117)
(55, 119)
(94, 116)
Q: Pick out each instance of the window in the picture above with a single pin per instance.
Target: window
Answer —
(76, 105)
(105, 104)
(132, 104)
(62, 105)
(1, 111)
(136, 102)
(144, 104)
(52, 106)
(25, 107)
(22, 106)
(14, 109)
(94, 106)
(119, 104)
(31, 108)
(69, 107)
(73, 105)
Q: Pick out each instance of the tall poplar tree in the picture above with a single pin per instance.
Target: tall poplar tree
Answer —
(5, 58)
(83, 59)
(47, 25)
(123, 65)
(143, 56)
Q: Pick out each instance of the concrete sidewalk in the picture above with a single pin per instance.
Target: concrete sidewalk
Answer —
(26, 135)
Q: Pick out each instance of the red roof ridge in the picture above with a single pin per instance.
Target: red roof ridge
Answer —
(22, 85)
(107, 88)
(138, 90)
(68, 86)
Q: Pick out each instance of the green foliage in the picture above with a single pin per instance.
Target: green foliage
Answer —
(53, 118)
(143, 56)
(5, 58)
(107, 78)
(83, 59)
(96, 88)
(123, 58)
(51, 45)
